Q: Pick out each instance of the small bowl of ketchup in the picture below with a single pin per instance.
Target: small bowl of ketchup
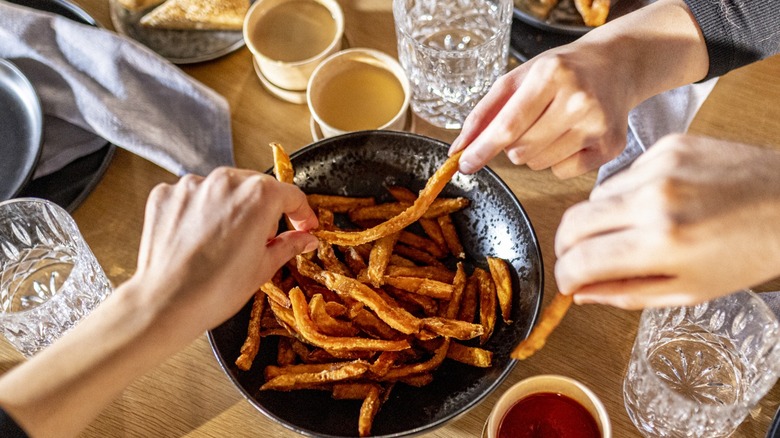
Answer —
(549, 406)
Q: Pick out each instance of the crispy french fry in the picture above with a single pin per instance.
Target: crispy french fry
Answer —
(354, 260)
(380, 258)
(430, 226)
(373, 326)
(593, 12)
(329, 260)
(289, 382)
(451, 236)
(453, 328)
(439, 207)
(421, 367)
(252, 343)
(468, 305)
(474, 356)
(309, 331)
(551, 317)
(427, 195)
(431, 272)
(421, 286)
(275, 294)
(499, 270)
(458, 286)
(418, 256)
(326, 324)
(413, 302)
(284, 353)
(487, 303)
(422, 243)
(352, 390)
(283, 169)
(338, 204)
(368, 410)
(418, 380)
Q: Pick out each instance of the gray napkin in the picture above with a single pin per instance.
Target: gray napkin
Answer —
(93, 82)
(666, 113)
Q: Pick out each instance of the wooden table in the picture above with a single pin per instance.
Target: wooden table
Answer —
(189, 395)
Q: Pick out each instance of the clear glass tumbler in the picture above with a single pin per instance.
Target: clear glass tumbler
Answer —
(452, 51)
(49, 278)
(697, 371)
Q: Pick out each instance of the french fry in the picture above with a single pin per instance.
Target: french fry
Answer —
(326, 324)
(551, 317)
(487, 303)
(422, 243)
(252, 343)
(468, 305)
(418, 380)
(386, 211)
(474, 356)
(352, 390)
(501, 277)
(594, 12)
(416, 255)
(289, 382)
(430, 226)
(283, 169)
(421, 367)
(427, 195)
(338, 204)
(458, 286)
(275, 294)
(368, 410)
(329, 260)
(380, 258)
(453, 328)
(284, 353)
(418, 303)
(451, 236)
(431, 272)
(309, 331)
(421, 286)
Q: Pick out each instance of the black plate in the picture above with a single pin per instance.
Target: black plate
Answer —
(566, 20)
(360, 164)
(21, 130)
(69, 186)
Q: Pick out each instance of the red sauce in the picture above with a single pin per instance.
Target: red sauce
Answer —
(548, 415)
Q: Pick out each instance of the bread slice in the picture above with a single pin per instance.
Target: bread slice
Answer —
(138, 5)
(198, 14)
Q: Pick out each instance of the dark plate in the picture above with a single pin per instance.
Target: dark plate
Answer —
(566, 20)
(360, 164)
(178, 46)
(21, 130)
(69, 186)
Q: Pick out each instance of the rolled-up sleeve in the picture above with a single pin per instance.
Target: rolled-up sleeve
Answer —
(737, 32)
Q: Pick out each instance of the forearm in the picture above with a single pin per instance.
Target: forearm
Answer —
(652, 50)
(60, 390)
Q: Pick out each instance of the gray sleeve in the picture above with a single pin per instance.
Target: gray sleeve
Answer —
(737, 32)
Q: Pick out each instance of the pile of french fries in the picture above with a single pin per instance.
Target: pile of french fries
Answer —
(356, 317)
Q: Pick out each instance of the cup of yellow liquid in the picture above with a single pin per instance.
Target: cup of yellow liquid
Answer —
(289, 38)
(358, 89)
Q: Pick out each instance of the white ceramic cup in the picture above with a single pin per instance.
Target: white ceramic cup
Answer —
(549, 383)
(290, 74)
(346, 62)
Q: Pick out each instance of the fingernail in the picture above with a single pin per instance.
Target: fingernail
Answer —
(454, 146)
(312, 245)
(466, 167)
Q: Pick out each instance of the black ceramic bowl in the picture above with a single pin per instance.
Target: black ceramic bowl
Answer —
(495, 224)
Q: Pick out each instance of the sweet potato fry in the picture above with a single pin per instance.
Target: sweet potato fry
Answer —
(308, 330)
(458, 286)
(487, 303)
(412, 302)
(368, 410)
(275, 294)
(474, 356)
(418, 381)
(329, 260)
(373, 326)
(284, 353)
(422, 243)
(593, 12)
(453, 328)
(252, 343)
(421, 286)
(420, 367)
(431, 272)
(283, 169)
(439, 207)
(338, 204)
(499, 270)
(468, 305)
(352, 390)
(336, 373)
(416, 255)
(380, 258)
(430, 226)
(354, 260)
(551, 317)
(326, 324)
(396, 318)
(451, 236)
(427, 195)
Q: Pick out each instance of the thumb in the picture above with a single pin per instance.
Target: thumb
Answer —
(289, 244)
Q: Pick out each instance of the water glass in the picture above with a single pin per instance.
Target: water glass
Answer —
(697, 371)
(49, 278)
(452, 52)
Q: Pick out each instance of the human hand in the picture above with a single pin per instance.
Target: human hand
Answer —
(692, 219)
(208, 243)
(566, 109)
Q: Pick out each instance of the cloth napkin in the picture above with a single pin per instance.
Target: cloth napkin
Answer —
(95, 85)
(666, 113)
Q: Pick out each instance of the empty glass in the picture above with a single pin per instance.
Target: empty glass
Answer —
(452, 51)
(697, 371)
(49, 278)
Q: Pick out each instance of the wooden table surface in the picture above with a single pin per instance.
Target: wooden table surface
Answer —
(189, 395)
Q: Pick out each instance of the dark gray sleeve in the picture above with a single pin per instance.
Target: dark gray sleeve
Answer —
(737, 32)
(9, 428)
